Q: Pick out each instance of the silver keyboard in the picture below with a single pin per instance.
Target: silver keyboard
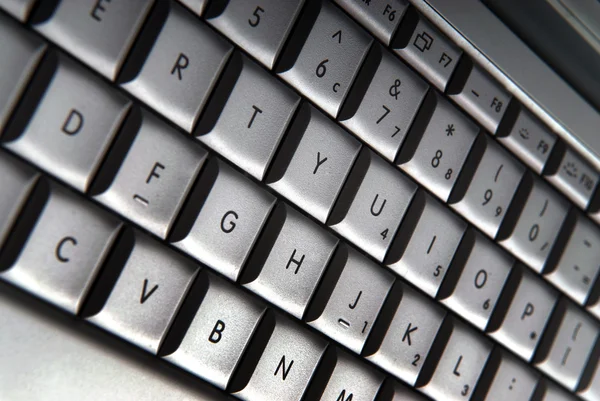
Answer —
(294, 200)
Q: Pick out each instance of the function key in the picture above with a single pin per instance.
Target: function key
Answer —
(380, 17)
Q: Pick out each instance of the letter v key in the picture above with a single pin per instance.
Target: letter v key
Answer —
(145, 295)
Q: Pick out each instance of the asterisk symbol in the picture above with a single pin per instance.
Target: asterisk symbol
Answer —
(450, 130)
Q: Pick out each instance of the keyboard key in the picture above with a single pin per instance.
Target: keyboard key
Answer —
(323, 155)
(20, 53)
(555, 393)
(261, 29)
(155, 177)
(291, 267)
(20, 9)
(197, 6)
(388, 107)
(355, 302)
(73, 125)
(285, 366)
(372, 213)
(529, 139)
(512, 379)
(438, 158)
(65, 250)
(329, 60)
(229, 221)
(403, 393)
(219, 333)
(521, 326)
(409, 337)
(147, 294)
(491, 190)
(253, 121)
(428, 253)
(380, 17)
(460, 365)
(99, 33)
(482, 274)
(534, 233)
(590, 391)
(181, 69)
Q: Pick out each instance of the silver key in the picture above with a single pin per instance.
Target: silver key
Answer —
(351, 379)
(65, 250)
(219, 333)
(329, 60)
(155, 176)
(481, 281)
(403, 393)
(20, 9)
(147, 294)
(431, 53)
(483, 98)
(570, 348)
(591, 391)
(459, 366)
(295, 263)
(380, 17)
(513, 380)
(389, 106)
(377, 208)
(556, 393)
(575, 178)
(16, 180)
(355, 302)
(99, 33)
(527, 316)
(320, 164)
(20, 53)
(181, 69)
(431, 248)
(442, 151)
(260, 29)
(530, 140)
(537, 227)
(491, 189)
(73, 125)
(577, 268)
(409, 337)
(196, 6)
(286, 365)
(231, 218)
(254, 119)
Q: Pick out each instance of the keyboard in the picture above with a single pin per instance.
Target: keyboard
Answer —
(294, 200)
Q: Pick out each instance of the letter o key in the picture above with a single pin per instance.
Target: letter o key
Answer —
(228, 226)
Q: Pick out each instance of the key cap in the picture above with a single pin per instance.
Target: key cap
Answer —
(512, 380)
(370, 215)
(290, 265)
(73, 125)
(17, 181)
(219, 333)
(329, 60)
(491, 190)
(529, 139)
(261, 29)
(253, 121)
(99, 33)
(409, 337)
(567, 344)
(322, 156)
(575, 178)
(155, 176)
(589, 387)
(479, 95)
(20, 53)
(481, 276)
(147, 294)
(556, 393)
(439, 156)
(388, 107)
(379, 17)
(20, 9)
(229, 221)
(285, 366)
(355, 302)
(431, 247)
(426, 49)
(197, 6)
(65, 250)
(403, 393)
(520, 325)
(460, 365)
(538, 224)
(181, 69)
(577, 268)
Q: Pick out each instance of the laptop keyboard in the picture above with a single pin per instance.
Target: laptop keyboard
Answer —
(296, 200)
